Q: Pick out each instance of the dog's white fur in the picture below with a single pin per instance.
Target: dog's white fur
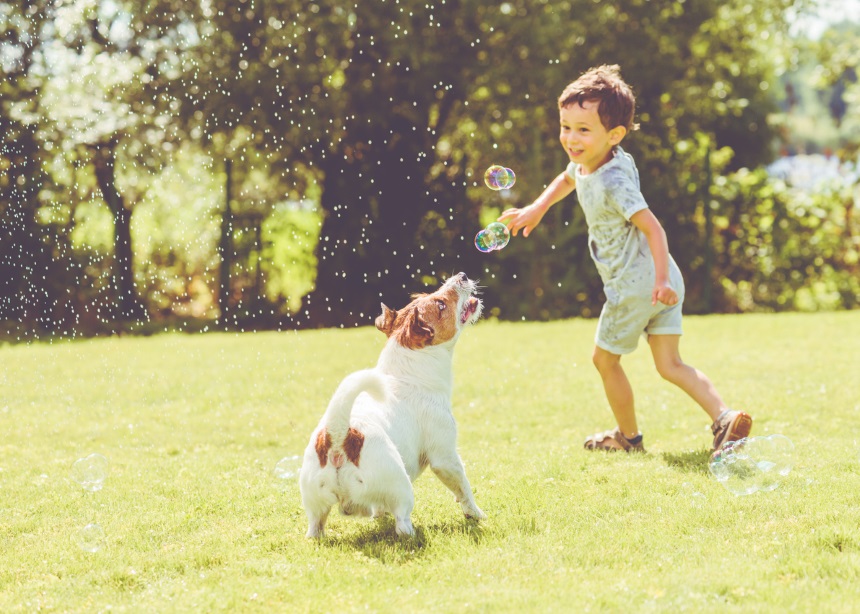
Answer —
(385, 425)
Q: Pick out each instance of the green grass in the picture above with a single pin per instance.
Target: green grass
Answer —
(194, 520)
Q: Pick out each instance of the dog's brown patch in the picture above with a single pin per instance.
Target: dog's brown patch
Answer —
(322, 446)
(352, 445)
(429, 319)
(414, 331)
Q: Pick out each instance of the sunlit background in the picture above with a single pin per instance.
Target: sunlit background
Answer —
(252, 165)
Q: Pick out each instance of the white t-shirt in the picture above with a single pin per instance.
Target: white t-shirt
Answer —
(609, 197)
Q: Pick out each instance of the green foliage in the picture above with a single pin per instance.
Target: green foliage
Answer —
(290, 235)
(783, 248)
(176, 228)
(384, 117)
(836, 62)
(194, 520)
(694, 92)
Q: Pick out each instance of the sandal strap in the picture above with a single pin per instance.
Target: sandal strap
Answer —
(614, 434)
(596, 441)
(618, 436)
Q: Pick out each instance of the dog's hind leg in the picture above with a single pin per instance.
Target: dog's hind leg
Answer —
(316, 522)
(452, 474)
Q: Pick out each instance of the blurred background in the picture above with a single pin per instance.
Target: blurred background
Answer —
(276, 164)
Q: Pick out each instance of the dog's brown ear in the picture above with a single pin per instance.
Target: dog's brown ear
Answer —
(416, 332)
(385, 321)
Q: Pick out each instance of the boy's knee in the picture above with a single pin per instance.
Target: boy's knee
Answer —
(670, 370)
(604, 360)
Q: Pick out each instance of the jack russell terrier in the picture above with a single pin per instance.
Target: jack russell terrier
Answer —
(385, 425)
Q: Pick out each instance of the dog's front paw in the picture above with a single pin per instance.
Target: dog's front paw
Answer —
(403, 527)
(471, 510)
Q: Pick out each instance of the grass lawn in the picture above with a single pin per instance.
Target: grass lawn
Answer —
(195, 521)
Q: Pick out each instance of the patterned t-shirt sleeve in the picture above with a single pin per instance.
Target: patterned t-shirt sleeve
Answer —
(623, 193)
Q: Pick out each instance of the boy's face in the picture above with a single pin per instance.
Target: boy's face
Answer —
(584, 138)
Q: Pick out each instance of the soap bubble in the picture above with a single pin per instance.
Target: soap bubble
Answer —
(783, 454)
(90, 472)
(499, 178)
(495, 236)
(90, 538)
(752, 464)
(287, 469)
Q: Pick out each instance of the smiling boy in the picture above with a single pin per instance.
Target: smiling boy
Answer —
(643, 285)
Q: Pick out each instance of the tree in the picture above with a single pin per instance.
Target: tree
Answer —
(389, 113)
(26, 280)
(394, 111)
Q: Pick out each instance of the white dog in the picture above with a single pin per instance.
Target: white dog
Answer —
(383, 426)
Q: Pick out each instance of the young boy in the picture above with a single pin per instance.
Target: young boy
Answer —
(643, 285)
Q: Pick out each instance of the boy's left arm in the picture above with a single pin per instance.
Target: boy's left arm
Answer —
(650, 226)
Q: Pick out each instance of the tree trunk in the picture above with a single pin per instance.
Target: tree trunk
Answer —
(379, 207)
(128, 304)
(225, 247)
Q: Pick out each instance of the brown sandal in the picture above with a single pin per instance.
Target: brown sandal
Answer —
(612, 441)
(731, 426)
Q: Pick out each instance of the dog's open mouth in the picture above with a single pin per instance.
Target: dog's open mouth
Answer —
(469, 309)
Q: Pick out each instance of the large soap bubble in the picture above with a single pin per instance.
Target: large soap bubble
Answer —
(499, 178)
(495, 236)
(753, 464)
(90, 472)
(90, 538)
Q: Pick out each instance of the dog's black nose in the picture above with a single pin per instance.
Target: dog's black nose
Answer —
(461, 276)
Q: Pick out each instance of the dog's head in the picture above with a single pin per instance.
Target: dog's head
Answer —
(433, 319)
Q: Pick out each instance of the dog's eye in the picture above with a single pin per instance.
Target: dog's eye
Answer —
(441, 305)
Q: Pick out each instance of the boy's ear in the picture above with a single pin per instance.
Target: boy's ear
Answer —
(616, 134)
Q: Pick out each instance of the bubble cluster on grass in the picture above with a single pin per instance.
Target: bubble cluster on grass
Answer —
(91, 472)
(90, 538)
(753, 464)
(495, 236)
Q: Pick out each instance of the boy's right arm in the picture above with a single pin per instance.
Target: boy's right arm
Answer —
(529, 217)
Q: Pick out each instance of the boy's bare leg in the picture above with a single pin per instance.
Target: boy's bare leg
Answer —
(667, 359)
(618, 390)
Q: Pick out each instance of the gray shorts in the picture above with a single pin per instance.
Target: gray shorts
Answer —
(625, 318)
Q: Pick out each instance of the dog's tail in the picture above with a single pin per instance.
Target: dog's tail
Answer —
(339, 409)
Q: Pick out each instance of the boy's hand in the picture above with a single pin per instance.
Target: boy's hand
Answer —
(664, 294)
(526, 218)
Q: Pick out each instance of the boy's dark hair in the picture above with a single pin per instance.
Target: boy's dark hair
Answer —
(603, 84)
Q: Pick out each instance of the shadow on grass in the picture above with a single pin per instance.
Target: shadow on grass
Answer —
(380, 541)
(693, 461)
